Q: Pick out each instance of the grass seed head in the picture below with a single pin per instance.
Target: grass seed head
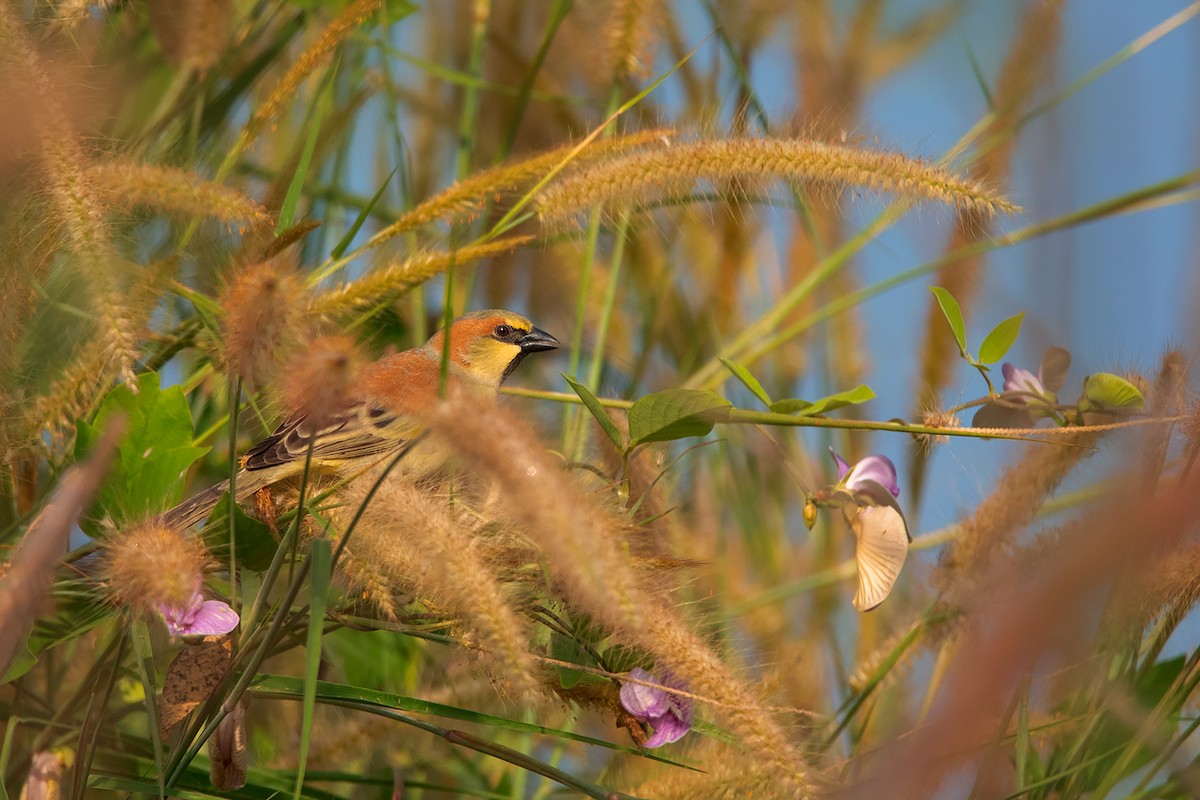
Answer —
(322, 377)
(260, 319)
(150, 565)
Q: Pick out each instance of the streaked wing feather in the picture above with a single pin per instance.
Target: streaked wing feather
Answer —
(361, 431)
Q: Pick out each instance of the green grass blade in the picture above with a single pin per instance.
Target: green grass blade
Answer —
(288, 211)
(143, 653)
(340, 249)
(320, 558)
(284, 686)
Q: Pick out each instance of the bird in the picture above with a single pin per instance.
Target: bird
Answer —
(382, 417)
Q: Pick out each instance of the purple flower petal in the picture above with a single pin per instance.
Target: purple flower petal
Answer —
(667, 728)
(1021, 380)
(874, 468)
(644, 702)
(179, 618)
(842, 466)
(199, 617)
(214, 618)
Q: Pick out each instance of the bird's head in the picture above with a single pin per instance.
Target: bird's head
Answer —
(489, 345)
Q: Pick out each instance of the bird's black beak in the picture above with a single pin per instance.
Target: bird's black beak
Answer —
(538, 340)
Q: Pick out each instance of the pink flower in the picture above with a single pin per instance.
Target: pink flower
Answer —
(878, 469)
(1022, 381)
(669, 714)
(199, 617)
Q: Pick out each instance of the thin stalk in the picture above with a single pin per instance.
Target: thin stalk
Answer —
(235, 394)
(480, 15)
(573, 417)
(596, 368)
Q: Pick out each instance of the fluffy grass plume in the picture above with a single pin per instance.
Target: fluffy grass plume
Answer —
(410, 539)
(581, 542)
(62, 162)
(321, 378)
(392, 280)
(262, 305)
(642, 178)
(178, 191)
(472, 193)
(1014, 502)
(149, 566)
(284, 92)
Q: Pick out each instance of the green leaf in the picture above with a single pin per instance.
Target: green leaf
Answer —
(597, 410)
(954, 317)
(23, 660)
(803, 408)
(154, 454)
(998, 342)
(255, 544)
(566, 648)
(1107, 391)
(748, 380)
(675, 414)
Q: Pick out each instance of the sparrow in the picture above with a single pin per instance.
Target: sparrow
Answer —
(383, 415)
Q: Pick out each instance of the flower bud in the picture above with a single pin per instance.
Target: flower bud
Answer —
(810, 514)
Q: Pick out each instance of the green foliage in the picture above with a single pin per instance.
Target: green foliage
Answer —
(997, 343)
(803, 408)
(155, 451)
(675, 414)
(597, 411)
(954, 317)
(1104, 391)
(748, 380)
(255, 545)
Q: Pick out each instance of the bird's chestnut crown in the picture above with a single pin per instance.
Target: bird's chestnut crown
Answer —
(490, 344)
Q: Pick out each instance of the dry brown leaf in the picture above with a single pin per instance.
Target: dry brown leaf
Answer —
(192, 678)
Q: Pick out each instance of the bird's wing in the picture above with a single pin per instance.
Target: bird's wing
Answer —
(363, 429)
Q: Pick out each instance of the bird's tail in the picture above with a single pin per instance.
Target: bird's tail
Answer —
(198, 507)
(195, 508)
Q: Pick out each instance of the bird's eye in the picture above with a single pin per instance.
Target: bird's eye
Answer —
(503, 331)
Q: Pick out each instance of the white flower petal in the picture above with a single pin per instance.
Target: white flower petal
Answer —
(881, 550)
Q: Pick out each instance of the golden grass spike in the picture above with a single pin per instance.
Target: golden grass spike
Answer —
(322, 378)
(176, 190)
(193, 34)
(395, 279)
(73, 198)
(630, 35)
(261, 304)
(87, 375)
(1166, 400)
(645, 177)
(405, 534)
(285, 91)
(586, 560)
(472, 193)
(999, 518)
